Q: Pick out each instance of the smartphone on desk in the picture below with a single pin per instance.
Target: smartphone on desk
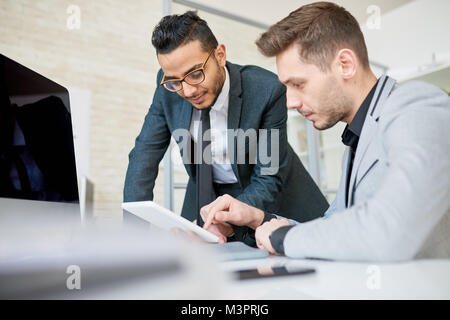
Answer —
(270, 272)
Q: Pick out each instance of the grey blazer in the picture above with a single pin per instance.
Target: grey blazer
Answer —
(257, 100)
(398, 205)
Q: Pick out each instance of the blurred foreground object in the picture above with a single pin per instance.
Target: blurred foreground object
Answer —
(47, 255)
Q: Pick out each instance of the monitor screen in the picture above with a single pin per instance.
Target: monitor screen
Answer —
(37, 157)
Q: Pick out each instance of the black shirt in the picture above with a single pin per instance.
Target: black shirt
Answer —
(350, 137)
(352, 132)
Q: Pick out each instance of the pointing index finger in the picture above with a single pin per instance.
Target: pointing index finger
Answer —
(220, 204)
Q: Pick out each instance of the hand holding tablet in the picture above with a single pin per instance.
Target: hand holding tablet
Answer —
(166, 219)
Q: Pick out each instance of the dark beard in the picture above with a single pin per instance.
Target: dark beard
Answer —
(218, 85)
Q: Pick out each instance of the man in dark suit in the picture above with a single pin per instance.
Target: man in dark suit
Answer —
(204, 97)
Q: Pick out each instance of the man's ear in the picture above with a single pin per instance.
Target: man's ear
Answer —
(347, 63)
(221, 55)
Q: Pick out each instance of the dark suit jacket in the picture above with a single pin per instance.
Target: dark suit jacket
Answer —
(257, 100)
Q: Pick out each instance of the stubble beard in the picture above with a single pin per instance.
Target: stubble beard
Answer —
(218, 85)
(335, 106)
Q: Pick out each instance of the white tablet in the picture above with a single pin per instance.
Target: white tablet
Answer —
(166, 219)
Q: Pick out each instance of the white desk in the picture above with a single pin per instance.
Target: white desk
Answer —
(200, 276)
(420, 279)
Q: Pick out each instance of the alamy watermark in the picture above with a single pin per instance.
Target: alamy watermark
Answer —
(73, 281)
(373, 277)
(374, 19)
(74, 17)
(249, 146)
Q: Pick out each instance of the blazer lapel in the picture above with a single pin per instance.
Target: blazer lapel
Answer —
(234, 111)
(341, 204)
(384, 88)
(184, 122)
(186, 116)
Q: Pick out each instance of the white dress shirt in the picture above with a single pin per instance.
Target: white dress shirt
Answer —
(222, 171)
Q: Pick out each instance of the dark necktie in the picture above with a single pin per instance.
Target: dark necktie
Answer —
(203, 156)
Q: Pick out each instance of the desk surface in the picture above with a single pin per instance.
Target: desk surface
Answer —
(420, 279)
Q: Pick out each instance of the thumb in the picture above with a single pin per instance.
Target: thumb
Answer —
(222, 239)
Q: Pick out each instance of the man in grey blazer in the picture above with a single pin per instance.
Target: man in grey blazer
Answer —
(393, 199)
(198, 88)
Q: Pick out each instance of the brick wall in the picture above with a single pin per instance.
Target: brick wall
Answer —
(110, 55)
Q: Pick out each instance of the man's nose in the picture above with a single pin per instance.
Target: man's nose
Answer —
(293, 100)
(189, 91)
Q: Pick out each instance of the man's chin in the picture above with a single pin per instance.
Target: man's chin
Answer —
(200, 106)
(205, 104)
(319, 125)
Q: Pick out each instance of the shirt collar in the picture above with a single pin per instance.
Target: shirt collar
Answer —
(222, 99)
(352, 131)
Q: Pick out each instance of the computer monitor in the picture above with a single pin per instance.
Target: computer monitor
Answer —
(37, 156)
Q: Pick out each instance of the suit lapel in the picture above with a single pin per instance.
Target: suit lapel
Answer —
(384, 87)
(186, 116)
(184, 122)
(234, 111)
(344, 179)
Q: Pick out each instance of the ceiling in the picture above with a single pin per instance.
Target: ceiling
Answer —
(410, 38)
(269, 12)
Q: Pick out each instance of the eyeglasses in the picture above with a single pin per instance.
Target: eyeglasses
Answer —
(194, 77)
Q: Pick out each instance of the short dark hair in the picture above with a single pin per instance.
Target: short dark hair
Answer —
(321, 29)
(176, 30)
